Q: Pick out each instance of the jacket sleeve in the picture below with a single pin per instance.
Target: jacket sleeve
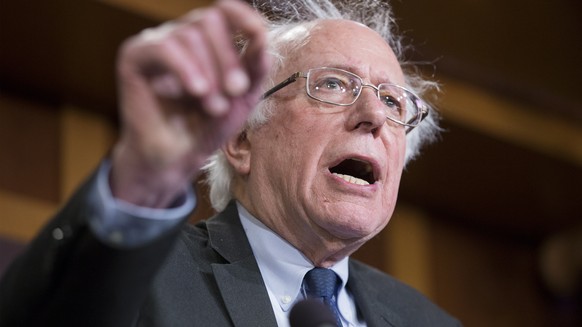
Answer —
(67, 276)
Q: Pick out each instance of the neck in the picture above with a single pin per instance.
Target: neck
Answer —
(322, 251)
(321, 247)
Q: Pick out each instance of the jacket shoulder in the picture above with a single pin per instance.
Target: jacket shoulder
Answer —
(398, 302)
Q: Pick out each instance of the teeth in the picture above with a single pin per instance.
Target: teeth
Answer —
(352, 179)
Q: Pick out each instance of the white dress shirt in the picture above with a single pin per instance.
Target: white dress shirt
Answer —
(283, 268)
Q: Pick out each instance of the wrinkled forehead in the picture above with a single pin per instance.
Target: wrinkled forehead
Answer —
(343, 44)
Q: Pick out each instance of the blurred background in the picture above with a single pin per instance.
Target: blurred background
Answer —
(489, 223)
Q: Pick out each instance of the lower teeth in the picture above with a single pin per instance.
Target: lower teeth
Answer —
(352, 179)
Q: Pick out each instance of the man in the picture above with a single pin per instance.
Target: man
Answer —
(301, 182)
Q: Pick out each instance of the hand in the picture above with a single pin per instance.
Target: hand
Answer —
(184, 91)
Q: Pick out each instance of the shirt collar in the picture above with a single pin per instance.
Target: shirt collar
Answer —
(281, 264)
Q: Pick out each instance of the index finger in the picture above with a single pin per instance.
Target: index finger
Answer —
(252, 25)
(244, 18)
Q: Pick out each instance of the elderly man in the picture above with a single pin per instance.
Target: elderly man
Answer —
(301, 182)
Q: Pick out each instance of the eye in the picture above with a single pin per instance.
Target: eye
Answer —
(330, 84)
(393, 102)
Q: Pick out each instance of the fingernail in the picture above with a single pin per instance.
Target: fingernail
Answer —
(199, 86)
(218, 104)
(237, 82)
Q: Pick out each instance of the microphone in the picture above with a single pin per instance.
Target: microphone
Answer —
(311, 313)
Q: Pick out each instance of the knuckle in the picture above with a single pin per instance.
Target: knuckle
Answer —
(212, 16)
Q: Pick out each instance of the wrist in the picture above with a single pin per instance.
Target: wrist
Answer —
(147, 183)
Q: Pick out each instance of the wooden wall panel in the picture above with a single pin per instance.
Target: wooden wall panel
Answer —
(85, 138)
(29, 148)
(169, 9)
(487, 279)
(22, 216)
(45, 153)
(408, 246)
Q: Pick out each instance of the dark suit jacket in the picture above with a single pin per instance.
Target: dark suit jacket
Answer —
(202, 275)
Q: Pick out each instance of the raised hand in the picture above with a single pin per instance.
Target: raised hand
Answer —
(184, 90)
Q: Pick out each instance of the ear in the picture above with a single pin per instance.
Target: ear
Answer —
(238, 153)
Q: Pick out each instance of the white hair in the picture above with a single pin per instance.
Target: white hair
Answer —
(282, 17)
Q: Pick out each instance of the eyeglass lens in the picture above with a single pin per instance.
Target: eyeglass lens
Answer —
(336, 86)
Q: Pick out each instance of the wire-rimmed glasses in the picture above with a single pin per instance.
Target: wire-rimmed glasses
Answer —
(342, 88)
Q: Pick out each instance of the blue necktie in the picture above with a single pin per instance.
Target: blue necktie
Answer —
(322, 283)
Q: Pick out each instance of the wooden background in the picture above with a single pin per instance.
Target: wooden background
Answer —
(489, 219)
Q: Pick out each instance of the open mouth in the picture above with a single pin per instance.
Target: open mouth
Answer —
(355, 171)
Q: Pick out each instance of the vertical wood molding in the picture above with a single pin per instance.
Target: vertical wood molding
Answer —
(407, 242)
(85, 139)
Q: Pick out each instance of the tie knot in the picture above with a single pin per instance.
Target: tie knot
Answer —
(321, 283)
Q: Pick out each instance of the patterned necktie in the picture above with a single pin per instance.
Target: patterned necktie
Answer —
(322, 283)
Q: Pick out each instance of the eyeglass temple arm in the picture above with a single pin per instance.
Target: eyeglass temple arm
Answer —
(423, 115)
(281, 85)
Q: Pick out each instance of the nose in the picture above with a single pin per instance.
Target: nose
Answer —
(368, 114)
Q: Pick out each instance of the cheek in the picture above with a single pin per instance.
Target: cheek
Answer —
(396, 149)
(280, 157)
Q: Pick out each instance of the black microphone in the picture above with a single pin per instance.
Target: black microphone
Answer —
(311, 313)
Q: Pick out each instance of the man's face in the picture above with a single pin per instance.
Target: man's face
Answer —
(297, 158)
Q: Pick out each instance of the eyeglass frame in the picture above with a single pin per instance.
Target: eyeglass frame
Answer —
(423, 110)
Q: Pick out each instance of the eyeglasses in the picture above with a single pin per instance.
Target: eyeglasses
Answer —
(342, 88)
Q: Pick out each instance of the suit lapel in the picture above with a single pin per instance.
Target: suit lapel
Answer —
(244, 294)
(370, 300)
(239, 280)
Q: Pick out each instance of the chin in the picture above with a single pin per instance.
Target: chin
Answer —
(350, 218)
(362, 226)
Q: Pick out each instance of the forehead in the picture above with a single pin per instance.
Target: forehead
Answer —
(349, 45)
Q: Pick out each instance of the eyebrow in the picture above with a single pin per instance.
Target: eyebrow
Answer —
(349, 68)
